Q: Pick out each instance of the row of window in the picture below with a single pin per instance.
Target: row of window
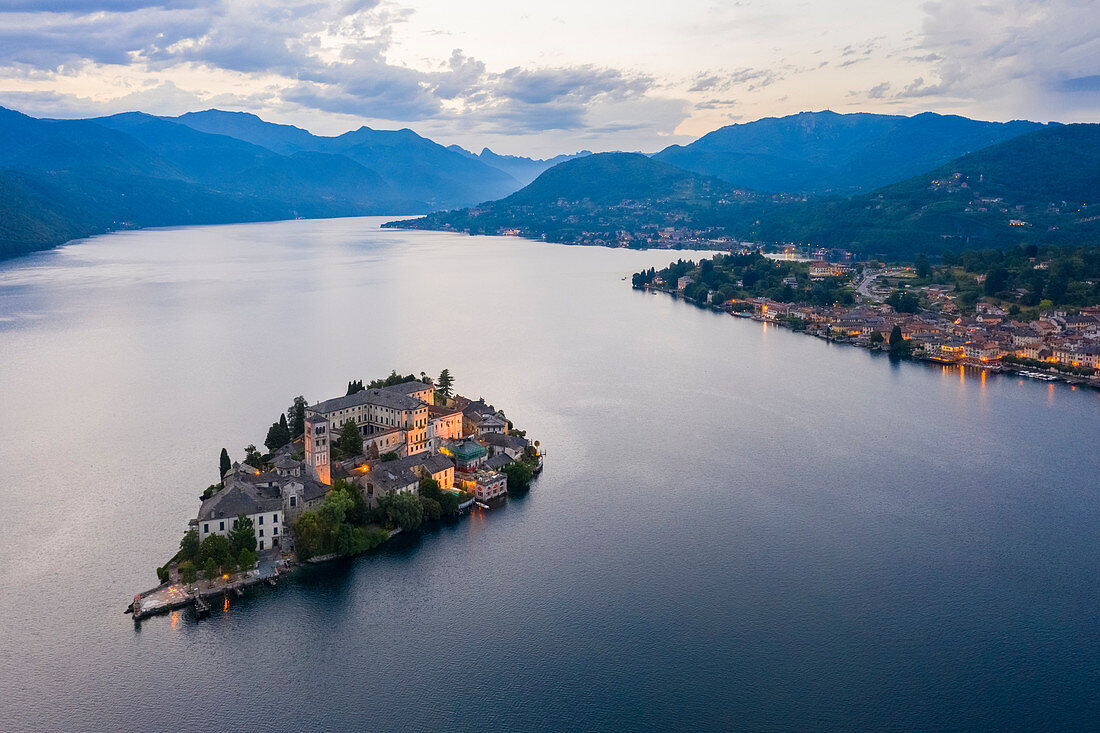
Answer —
(221, 524)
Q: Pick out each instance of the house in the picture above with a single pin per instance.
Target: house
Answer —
(467, 454)
(382, 410)
(263, 505)
(511, 445)
(683, 282)
(485, 485)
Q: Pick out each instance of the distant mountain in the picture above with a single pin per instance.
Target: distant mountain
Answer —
(63, 179)
(629, 189)
(1042, 188)
(826, 152)
(417, 167)
(1039, 188)
(522, 169)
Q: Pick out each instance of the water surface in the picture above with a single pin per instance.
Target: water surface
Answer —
(739, 526)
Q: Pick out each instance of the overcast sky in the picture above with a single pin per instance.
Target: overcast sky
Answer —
(545, 78)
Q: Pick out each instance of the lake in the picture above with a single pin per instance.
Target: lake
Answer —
(738, 526)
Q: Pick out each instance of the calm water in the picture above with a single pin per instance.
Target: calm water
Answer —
(739, 527)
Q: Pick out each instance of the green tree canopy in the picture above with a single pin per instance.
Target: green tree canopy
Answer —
(445, 384)
(350, 442)
(252, 456)
(278, 435)
(210, 569)
(403, 510)
(519, 476)
(188, 573)
(242, 536)
(297, 416)
(215, 548)
(224, 464)
(189, 545)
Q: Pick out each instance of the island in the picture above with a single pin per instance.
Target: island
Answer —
(340, 478)
(1030, 310)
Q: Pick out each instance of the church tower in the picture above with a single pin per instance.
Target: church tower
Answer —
(317, 448)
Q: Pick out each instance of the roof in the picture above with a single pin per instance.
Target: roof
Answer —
(239, 498)
(387, 397)
(285, 461)
(393, 400)
(340, 403)
(432, 462)
(407, 388)
(314, 419)
(499, 461)
(503, 440)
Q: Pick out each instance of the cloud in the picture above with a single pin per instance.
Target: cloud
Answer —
(580, 83)
(716, 104)
(1012, 53)
(749, 78)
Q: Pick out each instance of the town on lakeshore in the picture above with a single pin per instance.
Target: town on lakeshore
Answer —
(1032, 311)
(341, 477)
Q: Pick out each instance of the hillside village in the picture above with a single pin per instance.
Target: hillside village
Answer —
(363, 466)
(942, 314)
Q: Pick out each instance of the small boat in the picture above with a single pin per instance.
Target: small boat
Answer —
(481, 505)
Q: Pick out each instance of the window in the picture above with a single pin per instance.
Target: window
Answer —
(261, 533)
(293, 500)
(275, 531)
(221, 526)
(261, 544)
(205, 528)
(275, 518)
(261, 519)
(234, 524)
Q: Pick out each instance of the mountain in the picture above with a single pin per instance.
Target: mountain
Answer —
(1039, 188)
(826, 152)
(522, 169)
(65, 179)
(417, 167)
(603, 192)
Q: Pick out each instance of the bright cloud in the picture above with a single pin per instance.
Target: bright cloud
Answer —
(543, 79)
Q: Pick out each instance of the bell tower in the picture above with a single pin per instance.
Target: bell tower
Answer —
(317, 448)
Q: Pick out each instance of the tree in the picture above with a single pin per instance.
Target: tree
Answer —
(519, 476)
(432, 510)
(448, 503)
(924, 270)
(372, 452)
(225, 464)
(297, 417)
(247, 559)
(278, 435)
(897, 341)
(210, 569)
(188, 574)
(429, 488)
(390, 456)
(404, 510)
(356, 385)
(350, 442)
(444, 385)
(252, 456)
(189, 545)
(309, 535)
(243, 535)
(215, 548)
(876, 337)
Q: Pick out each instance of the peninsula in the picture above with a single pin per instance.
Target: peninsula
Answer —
(1029, 310)
(340, 478)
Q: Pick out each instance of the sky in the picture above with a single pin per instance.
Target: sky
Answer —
(546, 78)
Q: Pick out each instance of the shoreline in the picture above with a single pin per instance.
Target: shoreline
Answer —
(1024, 371)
